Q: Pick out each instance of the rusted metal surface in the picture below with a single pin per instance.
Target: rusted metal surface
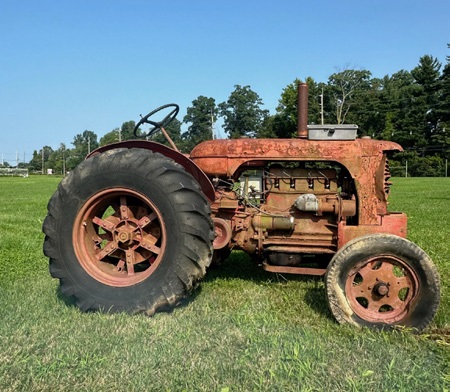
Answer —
(303, 210)
(302, 111)
(382, 289)
(294, 270)
(305, 196)
(393, 223)
(224, 157)
(119, 237)
(363, 158)
(178, 157)
(223, 232)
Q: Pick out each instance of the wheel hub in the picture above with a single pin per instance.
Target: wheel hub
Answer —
(381, 289)
(126, 234)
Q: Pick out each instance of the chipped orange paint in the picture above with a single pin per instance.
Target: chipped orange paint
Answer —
(323, 231)
(363, 158)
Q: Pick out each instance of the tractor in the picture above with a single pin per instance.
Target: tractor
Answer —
(134, 227)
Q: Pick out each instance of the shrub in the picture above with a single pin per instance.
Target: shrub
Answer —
(428, 166)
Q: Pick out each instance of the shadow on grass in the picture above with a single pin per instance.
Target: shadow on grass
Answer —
(239, 266)
(316, 299)
(69, 301)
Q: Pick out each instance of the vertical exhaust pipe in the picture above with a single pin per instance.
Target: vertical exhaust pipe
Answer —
(302, 111)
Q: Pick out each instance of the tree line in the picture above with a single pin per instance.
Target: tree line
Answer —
(408, 107)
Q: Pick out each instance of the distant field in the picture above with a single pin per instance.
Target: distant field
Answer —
(244, 329)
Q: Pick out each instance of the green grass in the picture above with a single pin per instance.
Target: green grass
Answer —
(243, 330)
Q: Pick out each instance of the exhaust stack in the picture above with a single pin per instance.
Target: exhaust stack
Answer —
(302, 111)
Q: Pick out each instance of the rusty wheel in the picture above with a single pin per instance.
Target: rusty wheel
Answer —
(382, 290)
(382, 281)
(128, 230)
(119, 237)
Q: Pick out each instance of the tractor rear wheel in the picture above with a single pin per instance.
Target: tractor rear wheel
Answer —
(128, 230)
(382, 281)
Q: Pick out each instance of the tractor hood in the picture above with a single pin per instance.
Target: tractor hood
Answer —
(222, 158)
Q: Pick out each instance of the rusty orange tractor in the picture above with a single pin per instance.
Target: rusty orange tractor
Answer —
(135, 226)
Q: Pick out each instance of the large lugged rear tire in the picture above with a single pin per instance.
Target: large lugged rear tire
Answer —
(128, 230)
(382, 281)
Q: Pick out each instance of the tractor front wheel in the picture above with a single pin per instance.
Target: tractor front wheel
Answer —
(382, 281)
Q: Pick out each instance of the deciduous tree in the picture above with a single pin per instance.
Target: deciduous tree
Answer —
(84, 143)
(345, 86)
(57, 159)
(201, 116)
(242, 113)
(39, 161)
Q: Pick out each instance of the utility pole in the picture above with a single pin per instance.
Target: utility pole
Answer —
(89, 145)
(120, 134)
(212, 126)
(42, 160)
(64, 161)
(321, 107)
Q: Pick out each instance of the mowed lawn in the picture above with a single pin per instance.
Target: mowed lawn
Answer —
(242, 330)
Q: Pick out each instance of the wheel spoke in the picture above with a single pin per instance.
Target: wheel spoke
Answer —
(393, 302)
(361, 290)
(368, 274)
(120, 265)
(374, 306)
(106, 251)
(130, 260)
(386, 271)
(146, 220)
(103, 223)
(365, 270)
(148, 242)
(152, 248)
(125, 212)
(399, 284)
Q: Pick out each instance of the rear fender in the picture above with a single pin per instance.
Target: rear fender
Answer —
(178, 157)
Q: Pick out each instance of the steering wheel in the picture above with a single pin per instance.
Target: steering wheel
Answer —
(157, 125)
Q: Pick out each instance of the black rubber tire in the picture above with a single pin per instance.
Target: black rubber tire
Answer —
(181, 204)
(354, 256)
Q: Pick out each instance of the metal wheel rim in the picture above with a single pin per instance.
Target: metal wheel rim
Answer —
(382, 289)
(119, 237)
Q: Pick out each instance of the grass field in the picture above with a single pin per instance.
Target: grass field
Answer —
(243, 330)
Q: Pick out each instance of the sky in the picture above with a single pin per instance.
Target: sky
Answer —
(68, 66)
